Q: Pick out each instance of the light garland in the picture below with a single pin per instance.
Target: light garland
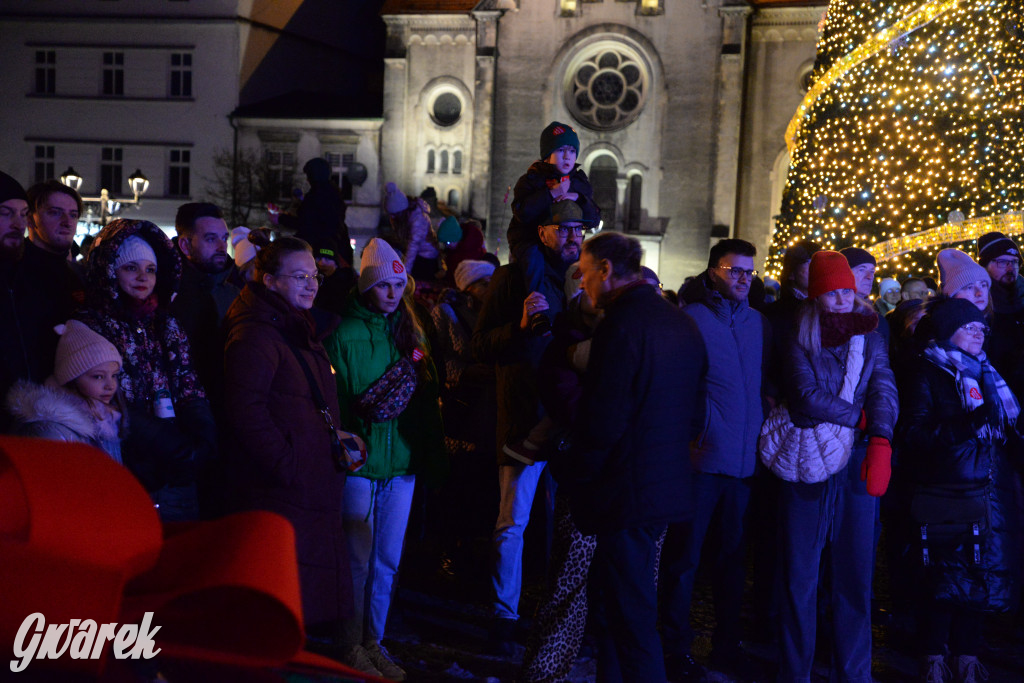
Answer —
(912, 135)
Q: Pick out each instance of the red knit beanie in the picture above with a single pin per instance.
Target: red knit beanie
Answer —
(829, 270)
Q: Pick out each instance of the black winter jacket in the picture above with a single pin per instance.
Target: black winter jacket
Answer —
(628, 466)
(531, 202)
(813, 384)
(939, 446)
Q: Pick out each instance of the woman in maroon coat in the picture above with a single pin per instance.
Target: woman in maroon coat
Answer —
(282, 460)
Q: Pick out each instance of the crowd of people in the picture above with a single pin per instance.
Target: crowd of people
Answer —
(796, 425)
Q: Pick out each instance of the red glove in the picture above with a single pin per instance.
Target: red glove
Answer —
(862, 423)
(877, 466)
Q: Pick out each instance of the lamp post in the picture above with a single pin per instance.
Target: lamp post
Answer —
(108, 207)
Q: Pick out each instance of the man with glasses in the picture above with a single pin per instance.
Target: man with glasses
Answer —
(999, 255)
(503, 337)
(723, 457)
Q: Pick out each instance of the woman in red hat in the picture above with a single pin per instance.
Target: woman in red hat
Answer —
(839, 384)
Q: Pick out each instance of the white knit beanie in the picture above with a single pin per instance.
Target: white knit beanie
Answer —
(395, 200)
(380, 262)
(134, 248)
(887, 285)
(957, 270)
(469, 271)
(244, 250)
(79, 350)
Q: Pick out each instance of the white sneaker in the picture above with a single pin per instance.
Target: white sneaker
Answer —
(970, 669)
(359, 659)
(381, 659)
(934, 670)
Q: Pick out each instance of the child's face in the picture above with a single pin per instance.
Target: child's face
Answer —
(137, 279)
(100, 383)
(563, 158)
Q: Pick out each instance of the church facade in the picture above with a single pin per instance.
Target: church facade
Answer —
(680, 108)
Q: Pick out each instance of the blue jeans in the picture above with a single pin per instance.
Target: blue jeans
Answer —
(838, 512)
(624, 567)
(375, 514)
(518, 484)
(729, 497)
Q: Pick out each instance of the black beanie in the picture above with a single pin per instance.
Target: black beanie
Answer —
(949, 315)
(856, 256)
(11, 189)
(798, 254)
(557, 135)
(992, 245)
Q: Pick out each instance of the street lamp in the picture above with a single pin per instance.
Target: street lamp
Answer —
(138, 183)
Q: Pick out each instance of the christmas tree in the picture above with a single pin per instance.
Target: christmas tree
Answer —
(911, 136)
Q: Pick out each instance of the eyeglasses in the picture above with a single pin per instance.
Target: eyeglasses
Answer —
(736, 273)
(9, 213)
(563, 230)
(1006, 263)
(976, 329)
(303, 278)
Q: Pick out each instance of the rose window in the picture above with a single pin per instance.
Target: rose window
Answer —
(607, 89)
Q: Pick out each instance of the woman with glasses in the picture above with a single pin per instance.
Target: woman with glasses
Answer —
(957, 434)
(276, 375)
(380, 337)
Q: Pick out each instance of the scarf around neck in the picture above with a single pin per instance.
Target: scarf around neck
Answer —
(979, 385)
(838, 328)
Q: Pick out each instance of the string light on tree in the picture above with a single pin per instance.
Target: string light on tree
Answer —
(911, 136)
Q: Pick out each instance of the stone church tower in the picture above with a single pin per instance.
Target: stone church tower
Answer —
(660, 91)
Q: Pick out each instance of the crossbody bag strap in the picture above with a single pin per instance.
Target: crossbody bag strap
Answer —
(314, 387)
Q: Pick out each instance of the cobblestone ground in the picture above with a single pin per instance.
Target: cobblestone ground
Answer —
(439, 633)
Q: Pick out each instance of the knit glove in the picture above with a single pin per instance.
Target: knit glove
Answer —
(877, 466)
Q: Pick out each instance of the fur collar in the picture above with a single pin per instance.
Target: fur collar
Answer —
(837, 328)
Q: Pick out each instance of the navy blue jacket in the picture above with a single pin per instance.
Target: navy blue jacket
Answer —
(628, 466)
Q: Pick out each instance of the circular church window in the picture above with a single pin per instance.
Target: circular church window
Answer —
(447, 109)
(606, 87)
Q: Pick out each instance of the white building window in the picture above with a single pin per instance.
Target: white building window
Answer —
(178, 173)
(110, 169)
(44, 163)
(444, 161)
(431, 160)
(280, 169)
(46, 72)
(457, 161)
(453, 199)
(113, 73)
(181, 74)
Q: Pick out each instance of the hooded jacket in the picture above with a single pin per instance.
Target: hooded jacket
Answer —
(282, 457)
(156, 358)
(361, 349)
(735, 338)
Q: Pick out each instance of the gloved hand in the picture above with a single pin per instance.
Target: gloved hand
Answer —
(862, 423)
(876, 469)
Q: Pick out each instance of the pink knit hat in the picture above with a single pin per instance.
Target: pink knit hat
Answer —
(79, 350)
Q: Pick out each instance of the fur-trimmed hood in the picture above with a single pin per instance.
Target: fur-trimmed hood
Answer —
(101, 281)
(50, 412)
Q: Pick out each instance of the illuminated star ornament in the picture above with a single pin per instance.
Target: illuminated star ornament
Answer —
(911, 136)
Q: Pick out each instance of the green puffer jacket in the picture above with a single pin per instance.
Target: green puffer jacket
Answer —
(361, 349)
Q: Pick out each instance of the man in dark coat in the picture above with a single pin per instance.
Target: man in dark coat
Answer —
(206, 290)
(627, 474)
(321, 216)
(999, 255)
(503, 338)
(40, 287)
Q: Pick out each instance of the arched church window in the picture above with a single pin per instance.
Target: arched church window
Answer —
(430, 161)
(603, 174)
(453, 199)
(457, 161)
(607, 86)
(634, 193)
(444, 161)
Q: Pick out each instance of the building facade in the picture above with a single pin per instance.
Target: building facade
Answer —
(680, 108)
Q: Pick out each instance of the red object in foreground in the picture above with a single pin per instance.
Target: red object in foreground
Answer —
(80, 539)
